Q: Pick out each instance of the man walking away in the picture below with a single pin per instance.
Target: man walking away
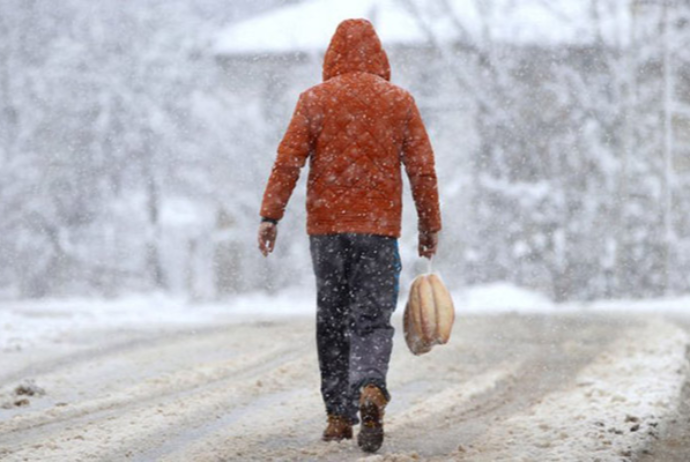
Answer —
(356, 129)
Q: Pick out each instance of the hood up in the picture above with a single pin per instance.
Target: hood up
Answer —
(355, 47)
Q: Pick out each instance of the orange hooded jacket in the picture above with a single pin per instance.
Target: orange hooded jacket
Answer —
(356, 128)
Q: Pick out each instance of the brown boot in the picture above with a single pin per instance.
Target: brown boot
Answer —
(339, 428)
(372, 404)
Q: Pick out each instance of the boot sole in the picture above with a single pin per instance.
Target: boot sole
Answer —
(336, 438)
(370, 437)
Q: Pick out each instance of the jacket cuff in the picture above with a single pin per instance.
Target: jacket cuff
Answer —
(428, 228)
(269, 220)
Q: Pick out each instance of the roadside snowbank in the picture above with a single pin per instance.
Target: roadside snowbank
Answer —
(679, 305)
(31, 322)
(501, 298)
(504, 297)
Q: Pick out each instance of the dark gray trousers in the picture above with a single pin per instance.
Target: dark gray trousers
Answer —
(357, 281)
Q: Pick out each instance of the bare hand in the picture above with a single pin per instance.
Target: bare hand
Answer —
(428, 244)
(267, 237)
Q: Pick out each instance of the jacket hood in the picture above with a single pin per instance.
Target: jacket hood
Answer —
(355, 47)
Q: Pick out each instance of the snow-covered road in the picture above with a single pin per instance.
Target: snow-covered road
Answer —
(546, 387)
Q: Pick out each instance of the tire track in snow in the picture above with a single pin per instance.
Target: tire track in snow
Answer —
(138, 426)
(546, 354)
(102, 346)
(266, 434)
(176, 360)
(262, 434)
(490, 389)
(235, 377)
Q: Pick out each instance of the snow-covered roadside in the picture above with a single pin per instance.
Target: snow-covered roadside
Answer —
(499, 298)
(502, 298)
(24, 324)
(619, 403)
(38, 322)
(678, 306)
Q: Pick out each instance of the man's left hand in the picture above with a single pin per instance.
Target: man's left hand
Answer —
(428, 244)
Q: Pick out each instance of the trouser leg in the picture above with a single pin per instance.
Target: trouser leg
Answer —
(329, 257)
(374, 283)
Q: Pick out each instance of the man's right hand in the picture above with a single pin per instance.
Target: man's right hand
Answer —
(267, 237)
(428, 244)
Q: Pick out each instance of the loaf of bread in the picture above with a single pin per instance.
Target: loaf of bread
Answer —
(429, 314)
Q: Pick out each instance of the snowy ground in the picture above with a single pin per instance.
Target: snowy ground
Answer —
(521, 379)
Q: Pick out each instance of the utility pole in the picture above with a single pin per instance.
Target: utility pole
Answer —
(669, 233)
(622, 282)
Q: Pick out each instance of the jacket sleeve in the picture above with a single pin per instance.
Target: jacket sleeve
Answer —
(418, 158)
(293, 152)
